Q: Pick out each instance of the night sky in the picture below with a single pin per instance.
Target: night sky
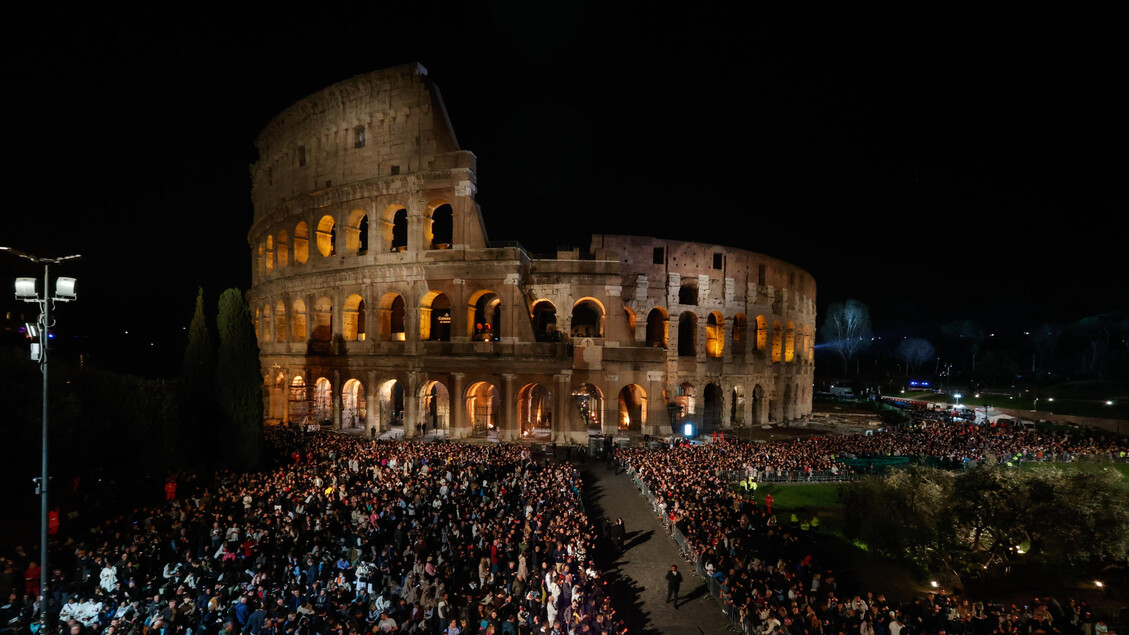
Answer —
(933, 166)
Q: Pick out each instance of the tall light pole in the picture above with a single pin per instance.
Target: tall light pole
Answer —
(64, 292)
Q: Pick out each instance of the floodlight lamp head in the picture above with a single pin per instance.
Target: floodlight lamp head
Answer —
(65, 289)
(25, 290)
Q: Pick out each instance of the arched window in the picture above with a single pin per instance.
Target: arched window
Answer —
(587, 319)
(435, 318)
(484, 317)
(657, 326)
(590, 404)
(356, 233)
(442, 227)
(354, 406)
(354, 319)
(298, 323)
(739, 326)
(301, 243)
(762, 333)
(629, 315)
(687, 335)
(282, 249)
(715, 335)
(392, 312)
(280, 332)
(545, 322)
(482, 406)
(327, 236)
(790, 342)
(323, 400)
(632, 407)
(268, 257)
(535, 411)
(266, 324)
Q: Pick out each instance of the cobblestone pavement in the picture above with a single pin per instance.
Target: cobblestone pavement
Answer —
(637, 575)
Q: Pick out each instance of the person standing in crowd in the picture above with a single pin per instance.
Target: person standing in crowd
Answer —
(673, 582)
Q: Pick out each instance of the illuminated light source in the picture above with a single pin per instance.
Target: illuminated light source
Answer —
(65, 289)
(933, 583)
(25, 289)
(688, 430)
(1098, 583)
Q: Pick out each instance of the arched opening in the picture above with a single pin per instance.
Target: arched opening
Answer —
(739, 328)
(353, 404)
(280, 333)
(482, 406)
(657, 328)
(587, 318)
(300, 401)
(323, 401)
(323, 320)
(484, 317)
(301, 243)
(688, 293)
(632, 408)
(442, 227)
(268, 257)
(777, 342)
(711, 414)
(535, 412)
(356, 233)
(737, 407)
(685, 396)
(354, 319)
(545, 322)
(282, 249)
(629, 315)
(762, 333)
(715, 335)
(391, 404)
(392, 313)
(590, 404)
(434, 408)
(298, 324)
(790, 342)
(399, 230)
(327, 236)
(809, 343)
(435, 318)
(259, 260)
(687, 335)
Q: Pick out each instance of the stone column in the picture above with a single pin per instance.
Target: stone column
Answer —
(337, 393)
(566, 417)
(372, 404)
(657, 423)
(411, 405)
(460, 426)
(508, 430)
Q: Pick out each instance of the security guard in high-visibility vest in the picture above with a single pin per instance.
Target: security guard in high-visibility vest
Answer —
(815, 523)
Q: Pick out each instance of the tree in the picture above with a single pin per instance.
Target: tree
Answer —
(238, 382)
(196, 393)
(1046, 339)
(915, 351)
(969, 335)
(847, 329)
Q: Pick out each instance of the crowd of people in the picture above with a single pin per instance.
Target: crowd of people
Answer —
(767, 577)
(347, 536)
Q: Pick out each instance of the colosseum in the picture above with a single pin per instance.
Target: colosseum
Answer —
(380, 301)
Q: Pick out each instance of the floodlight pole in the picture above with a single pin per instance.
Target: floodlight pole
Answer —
(44, 303)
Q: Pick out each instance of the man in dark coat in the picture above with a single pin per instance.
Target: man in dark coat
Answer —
(673, 581)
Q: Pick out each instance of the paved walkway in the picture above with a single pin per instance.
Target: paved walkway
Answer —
(637, 575)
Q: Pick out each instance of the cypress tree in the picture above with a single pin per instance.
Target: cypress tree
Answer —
(239, 384)
(196, 393)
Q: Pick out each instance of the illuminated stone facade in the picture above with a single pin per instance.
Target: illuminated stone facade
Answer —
(380, 301)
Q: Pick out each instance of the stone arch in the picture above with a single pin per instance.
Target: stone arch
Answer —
(301, 243)
(590, 403)
(323, 320)
(629, 315)
(712, 406)
(282, 249)
(484, 316)
(323, 401)
(715, 334)
(632, 408)
(268, 255)
(762, 333)
(688, 293)
(440, 230)
(738, 335)
(327, 236)
(394, 228)
(434, 406)
(687, 334)
(545, 322)
(483, 405)
(790, 342)
(298, 321)
(435, 317)
(534, 411)
(587, 318)
(299, 401)
(280, 330)
(737, 405)
(354, 406)
(686, 396)
(393, 311)
(353, 318)
(391, 396)
(658, 327)
(356, 233)
(777, 342)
